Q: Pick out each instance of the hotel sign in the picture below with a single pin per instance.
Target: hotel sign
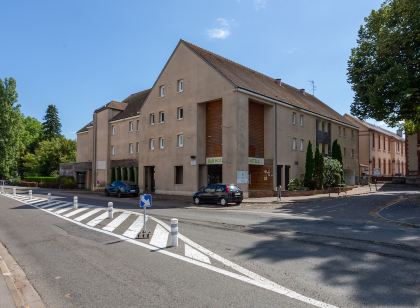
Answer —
(255, 161)
(214, 160)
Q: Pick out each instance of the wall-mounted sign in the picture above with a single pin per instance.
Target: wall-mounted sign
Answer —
(214, 160)
(100, 165)
(242, 177)
(255, 161)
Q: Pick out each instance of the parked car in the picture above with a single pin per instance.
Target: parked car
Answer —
(219, 193)
(122, 188)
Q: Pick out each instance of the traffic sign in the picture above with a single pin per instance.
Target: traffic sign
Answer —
(145, 200)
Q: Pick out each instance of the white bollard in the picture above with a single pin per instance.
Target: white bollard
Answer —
(75, 202)
(30, 194)
(14, 191)
(174, 232)
(2, 189)
(110, 210)
(49, 197)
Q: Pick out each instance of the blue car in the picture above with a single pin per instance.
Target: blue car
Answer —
(122, 188)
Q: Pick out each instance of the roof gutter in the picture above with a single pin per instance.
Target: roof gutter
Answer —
(124, 119)
(288, 105)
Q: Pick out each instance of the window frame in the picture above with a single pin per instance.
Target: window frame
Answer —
(152, 144)
(137, 147)
(162, 91)
(113, 130)
(294, 119)
(301, 145)
(294, 144)
(178, 109)
(180, 85)
(152, 119)
(161, 117)
(130, 148)
(301, 120)
(178, 143)
(113, 150)
(179, 176)
(130, 126)
(161, 143)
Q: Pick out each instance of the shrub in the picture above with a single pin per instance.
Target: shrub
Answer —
(295, 184)
(41, 179)
(332, 172)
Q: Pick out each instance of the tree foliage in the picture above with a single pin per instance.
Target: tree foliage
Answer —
(332, 172)
(384, 68)
(319, 169)
(10, 124)
(309, 167)
(336, 154)
(51, 126)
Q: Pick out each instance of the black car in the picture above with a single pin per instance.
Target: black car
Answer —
(219, 193)
(122, 188)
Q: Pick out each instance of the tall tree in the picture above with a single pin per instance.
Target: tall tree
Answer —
(384, 68)
(10, 123)
(336, 154)
(309, 167)
(30, 136)
(319, 169)
(51, 126)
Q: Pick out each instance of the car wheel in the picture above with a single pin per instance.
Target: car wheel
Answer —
(223, 201)
(119, 194)
(196, 201)
(239, 202)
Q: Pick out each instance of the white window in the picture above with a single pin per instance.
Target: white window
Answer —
(152, 144)
(152, 119)
(301, 120)
(161, 117)
(294, 118)
(161, 143)
(301, 145)
(130, 126)
(137, 124)
(113, 151)
(294, 146)
(130, 148)
(162, 91)
(180, 85)
(113, 129)
(180, 140)
(137, 147)
(180, 113)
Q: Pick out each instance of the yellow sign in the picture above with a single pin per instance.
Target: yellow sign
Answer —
(214, 160)
(255, 161)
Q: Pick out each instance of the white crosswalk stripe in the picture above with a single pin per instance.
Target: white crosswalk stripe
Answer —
(88, 214)
(97, 220)
(195, 254)
(160, 237)
(72, 213)
(65, 209)
(135, 227)
(116, 222)
(66, 204)
(50, 204)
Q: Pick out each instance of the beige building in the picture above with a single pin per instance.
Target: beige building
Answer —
(381, 152)
(207, 119)
(413, 158)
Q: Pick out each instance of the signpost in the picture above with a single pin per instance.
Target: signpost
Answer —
(145, 202)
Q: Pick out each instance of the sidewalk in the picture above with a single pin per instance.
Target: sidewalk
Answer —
(15, 289)
(361, 190)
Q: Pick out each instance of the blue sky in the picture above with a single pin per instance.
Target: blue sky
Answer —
(81, 54)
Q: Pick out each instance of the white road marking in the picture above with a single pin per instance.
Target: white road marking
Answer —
(258, 281)
(159, 237)
(135, 227)
(50, 204)
(88, 214)
(66, 204)
(116, 222)
(61, 211)
(75, 212)
(97, 220)
(195, 254)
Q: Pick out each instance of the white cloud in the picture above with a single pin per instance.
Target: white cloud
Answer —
(260, 4)
(221, 31)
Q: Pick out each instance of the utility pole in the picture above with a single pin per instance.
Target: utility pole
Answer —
(312, 82)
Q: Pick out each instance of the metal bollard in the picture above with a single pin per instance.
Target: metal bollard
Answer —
(110, 210)
(14, 191)
(30, 194)
(2, 189)
(279, 193)
(49, 197)
(75, 202)
(174, 232)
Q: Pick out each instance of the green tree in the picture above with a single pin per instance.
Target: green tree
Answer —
(319, 169)
(332, 172)
(309, 167)
(30, 136)
(336, 154)
(10, 124)
(384, 68)
(51, 126)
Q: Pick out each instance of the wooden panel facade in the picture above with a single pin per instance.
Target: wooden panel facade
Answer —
(214, 129)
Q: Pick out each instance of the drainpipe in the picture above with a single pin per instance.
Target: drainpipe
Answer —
(275, 144)
(94, 152)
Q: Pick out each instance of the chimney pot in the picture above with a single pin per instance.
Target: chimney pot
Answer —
(278, 81)
(302, 91)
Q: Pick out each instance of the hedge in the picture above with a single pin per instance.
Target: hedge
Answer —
(41, 179)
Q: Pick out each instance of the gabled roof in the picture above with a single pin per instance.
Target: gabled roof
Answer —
(134, 103)
(85, 128)
(373, 127)
(248, 79)
(112, 105)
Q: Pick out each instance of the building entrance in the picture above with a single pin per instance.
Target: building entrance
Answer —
(214, 174)
(149, 178)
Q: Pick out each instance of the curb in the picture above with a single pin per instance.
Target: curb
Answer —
(377, 214)
(21, 290)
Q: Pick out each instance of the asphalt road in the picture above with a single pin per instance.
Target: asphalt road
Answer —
(339, 252)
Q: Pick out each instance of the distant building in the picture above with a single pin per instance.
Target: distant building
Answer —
(380, 151)
(206, 120)
(413, 158)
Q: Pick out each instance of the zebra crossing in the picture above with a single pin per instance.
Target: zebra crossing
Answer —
(126, 225)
